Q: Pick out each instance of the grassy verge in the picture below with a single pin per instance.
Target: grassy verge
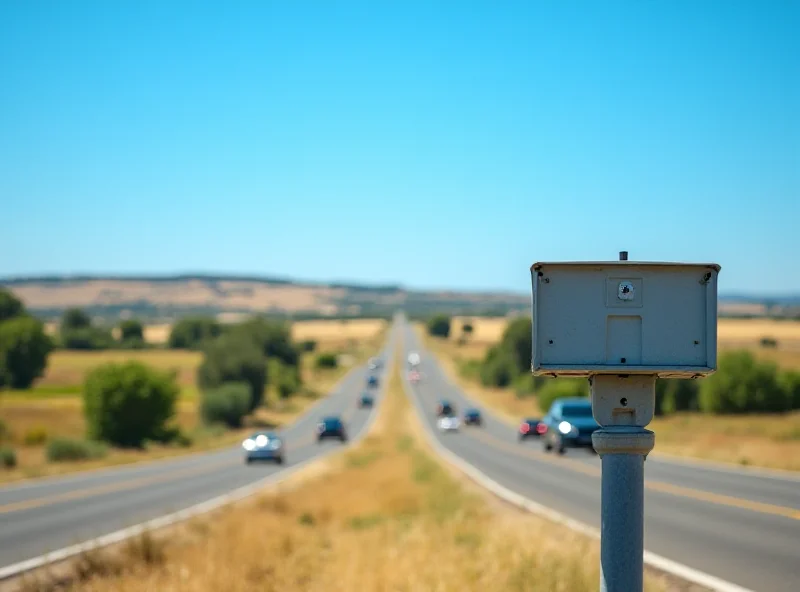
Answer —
(384, 516)
(765, 440)
(58, 414)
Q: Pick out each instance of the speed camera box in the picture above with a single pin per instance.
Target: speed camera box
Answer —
(624, 317)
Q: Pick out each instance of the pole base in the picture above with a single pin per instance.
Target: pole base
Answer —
(623, 440)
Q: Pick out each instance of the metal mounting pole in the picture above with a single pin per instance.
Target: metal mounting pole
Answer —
(622, 405)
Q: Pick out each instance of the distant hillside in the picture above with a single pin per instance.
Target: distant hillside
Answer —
(166, 298)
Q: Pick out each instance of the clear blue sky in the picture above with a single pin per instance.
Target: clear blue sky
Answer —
(435, 144)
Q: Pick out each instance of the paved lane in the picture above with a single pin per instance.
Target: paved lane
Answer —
(736, 525)
(43, 515)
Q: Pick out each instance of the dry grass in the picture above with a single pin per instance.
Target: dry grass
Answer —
(391, 518)
(338, 331)
(771, 441)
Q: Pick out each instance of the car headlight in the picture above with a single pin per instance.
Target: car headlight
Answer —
(275, 444)
(565, 427)
(249, 444)
(261, 440)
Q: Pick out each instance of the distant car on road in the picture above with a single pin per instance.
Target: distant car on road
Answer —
(413, 359)
(263, 446)
(531, 428)
(448, 423)
(366, 400)
(473, 417)
(372, 381)
(445, 408)
(570, 424)
(331, 427)
(375, 363)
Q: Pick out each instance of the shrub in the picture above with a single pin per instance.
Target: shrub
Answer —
(499, 368)
(327, 360)
(467, 329)
(5, 433)
(231, 358)
(439, 326)
(75, 318)
(35, 436)
(274, 339)
(676, 394)
(526, 385)
(517, 340)
(86, 338)
(68, 449)
(556, 388)
(193, 333)
(131, 334)
(790, 382)
(8, 458)
(24, 348)
(227, 404)
(285, 378)
(743, 384)
(10, 305)
(309, 345)
(768, 342)
(125, 404)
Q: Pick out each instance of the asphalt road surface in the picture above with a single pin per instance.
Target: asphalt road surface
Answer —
(43, 515)
(738, 525)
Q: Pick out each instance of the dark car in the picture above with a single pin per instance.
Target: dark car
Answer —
(570, 424)
(263, 446)
(473, 417)
(366, 400)
(331, 427)
(372, 381)
(531, 428)
(445, 408)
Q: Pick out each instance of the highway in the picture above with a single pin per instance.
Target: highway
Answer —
(737, 525)
(42, 515)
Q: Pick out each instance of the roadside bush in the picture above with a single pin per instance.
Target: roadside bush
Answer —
(327, 361)
(555, 388)
(790, 382)
(676, 394)
(68, 449)
(193, 333)
(309, 345)
(439, 326)
(499, 368)
(526, 385)
(128, 403)
(227, 404)
(24, 348)
(10, 305)
(287, 381)
(8, 458)
(131, 334)
(231, 358)
(743, 384)
(35, 436)
(768, 342)
(5, 433)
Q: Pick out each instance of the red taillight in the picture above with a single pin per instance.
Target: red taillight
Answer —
(524, 428)
(541, 428)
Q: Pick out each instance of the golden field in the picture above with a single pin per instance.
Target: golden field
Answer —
(760, 440)
(391, 518)
(54, 406)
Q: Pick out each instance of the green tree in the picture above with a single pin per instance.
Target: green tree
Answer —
(327, 360)
(10, 305)
(77, 332)
(743, 384)
(126, 404)
(286, 378)
(790, 382)
(439, 326)
(231, 358)
(499, 368)
(131, 330)
(193, 332)
(274, 339)
(227, 404)
(75, 318)
(467, 329)
(24, 348)
(517, 340)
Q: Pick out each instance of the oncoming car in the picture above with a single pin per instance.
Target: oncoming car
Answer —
(570, 424)
(366, 400)
(263, 446)
(448, 423)
(473, 416)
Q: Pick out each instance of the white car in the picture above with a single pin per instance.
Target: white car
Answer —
(448, 423)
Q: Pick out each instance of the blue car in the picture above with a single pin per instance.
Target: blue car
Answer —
(331, 427)
(263, 446)
(569, 424)
(372, 381)
(366, 400)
